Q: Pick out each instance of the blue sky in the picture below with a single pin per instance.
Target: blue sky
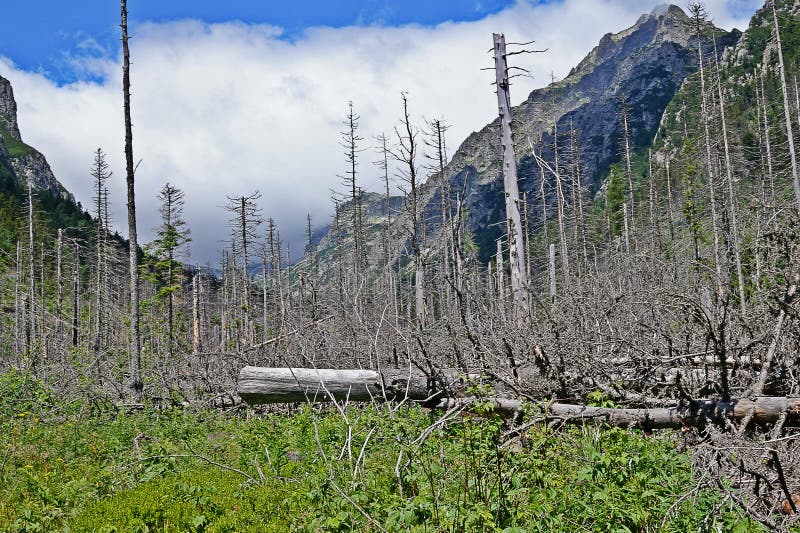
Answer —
(90, 27)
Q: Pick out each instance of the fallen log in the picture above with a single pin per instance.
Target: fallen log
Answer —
(286, 385)
(764, 410)
(258, 385)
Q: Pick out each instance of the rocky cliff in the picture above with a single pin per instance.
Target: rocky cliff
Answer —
(643, 66)
(25, 163)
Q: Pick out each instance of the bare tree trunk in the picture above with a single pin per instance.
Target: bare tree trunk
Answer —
(787, 109)
(551, 271)
(732, 204)
(768, 146)
(383, 164)
(670, 205)
(419, 291)
(42, 315)
(544, 203)
(135, 363)
(519, 282)
(407, 156)
(527, 236)
(628, 172)
(59, 287)
(196, 312)
(562, 231)
(31, 272)
(75, 295)
(625, 228)
(500, 274)
(18, 315)
(705, 118)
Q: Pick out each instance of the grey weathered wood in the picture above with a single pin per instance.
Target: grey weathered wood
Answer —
(135, 363)
(551, 270)
(787, 109)
(259, 385)
(764, 410)
(519, 281)
(284, 385)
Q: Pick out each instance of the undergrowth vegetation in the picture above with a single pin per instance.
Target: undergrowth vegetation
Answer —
(74, 466)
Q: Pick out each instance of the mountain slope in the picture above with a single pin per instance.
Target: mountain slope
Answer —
(54, 206)
(643, 65)
(22, 161)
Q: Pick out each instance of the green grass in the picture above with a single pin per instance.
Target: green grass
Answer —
(15, 148)
(81, 471)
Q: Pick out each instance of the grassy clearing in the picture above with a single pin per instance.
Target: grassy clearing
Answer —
(65, 468)
(15, 148)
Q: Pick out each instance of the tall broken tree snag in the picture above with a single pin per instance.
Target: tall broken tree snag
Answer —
(31, 277)
(59, 287)
(519, 281)
(698, 14)
(787, 109)
(135, 362)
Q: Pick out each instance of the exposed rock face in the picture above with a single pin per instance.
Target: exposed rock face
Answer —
(644, 65)
(8, 108)
(33, 167)
(25, 162)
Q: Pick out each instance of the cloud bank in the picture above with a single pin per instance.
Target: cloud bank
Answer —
(228, 108)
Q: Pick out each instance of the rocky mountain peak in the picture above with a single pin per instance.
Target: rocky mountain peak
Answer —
(24, 163)
(8, 109)
(639, 68)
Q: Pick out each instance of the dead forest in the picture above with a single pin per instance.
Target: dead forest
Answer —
(668, 291)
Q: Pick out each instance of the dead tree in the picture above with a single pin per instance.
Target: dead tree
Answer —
(698, 13)
(406, 155)
(31, 277)
(787, 109)
(100, 174)
(436, 130)
(349, 141)
(59, 287)
(244, 224)
(196, 334)
(732, 204)
(76, 269)
(519, 282)
(135, 361)
(626, 139)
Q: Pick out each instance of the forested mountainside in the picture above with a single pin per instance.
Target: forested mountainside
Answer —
(660, 262)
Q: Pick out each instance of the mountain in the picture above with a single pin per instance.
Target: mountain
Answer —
(54, 206)
(18, 160)
(641, 67)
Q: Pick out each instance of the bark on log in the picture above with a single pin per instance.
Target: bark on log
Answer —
(286, 385)
(765, 409)
(259, 385)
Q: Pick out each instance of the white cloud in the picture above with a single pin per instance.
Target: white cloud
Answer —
(224, 109)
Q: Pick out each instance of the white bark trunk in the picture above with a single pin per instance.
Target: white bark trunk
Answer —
(519, 282)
